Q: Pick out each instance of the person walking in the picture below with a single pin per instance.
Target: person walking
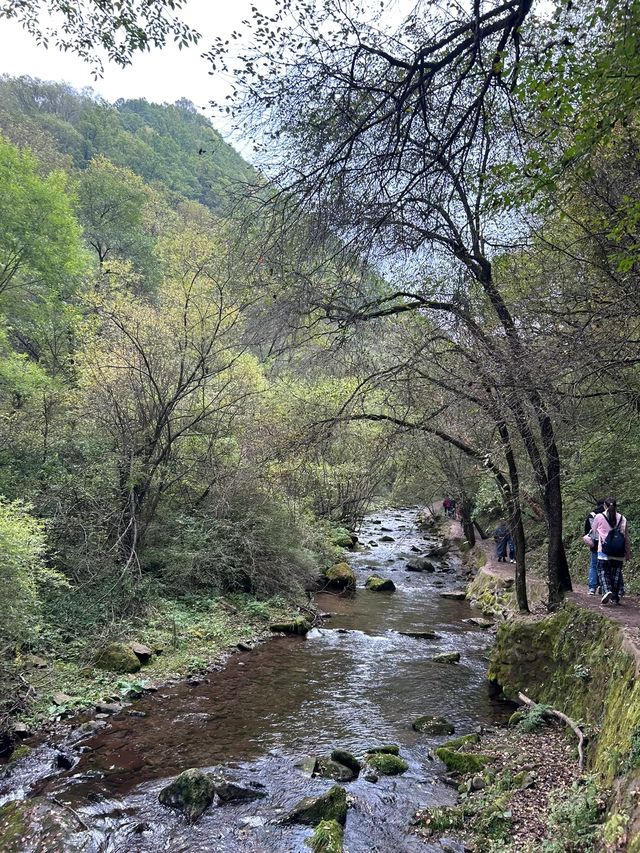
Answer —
(502, 536)
(593, 547)
(609, 528)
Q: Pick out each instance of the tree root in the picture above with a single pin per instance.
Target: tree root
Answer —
(551, 712)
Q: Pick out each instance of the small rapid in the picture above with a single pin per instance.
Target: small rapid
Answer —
(354, 683)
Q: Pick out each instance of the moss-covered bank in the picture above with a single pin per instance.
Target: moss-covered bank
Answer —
(579, 662)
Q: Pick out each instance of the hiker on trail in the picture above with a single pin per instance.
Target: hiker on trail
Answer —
(610, 529)
(446, 506)
(503, 540)
(593, 547)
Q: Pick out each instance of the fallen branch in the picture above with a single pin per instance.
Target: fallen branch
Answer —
(551, 712)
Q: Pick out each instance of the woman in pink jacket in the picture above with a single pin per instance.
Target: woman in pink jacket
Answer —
(609, 530)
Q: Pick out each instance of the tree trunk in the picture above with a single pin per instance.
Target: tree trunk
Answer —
(467, 524)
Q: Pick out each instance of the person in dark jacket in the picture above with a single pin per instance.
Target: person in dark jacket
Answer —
(503, 540)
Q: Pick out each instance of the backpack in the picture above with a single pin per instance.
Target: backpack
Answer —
(613, 545)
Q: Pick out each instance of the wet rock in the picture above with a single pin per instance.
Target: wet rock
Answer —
(312, 810)
(87, 729)
(20, 752)
(433, 726)
(341, 576)
(462, 762)
(377, 584)
(142, 652)
(420, 635)
(244, 647)
(454, 595)
(191, 793)
(118, 657)
(327, 768)
(327, 837)
(481, 623)
(299, 625)
(137, 713)
(415, 549)
(308, 765)
(254, 821)
(64, 762)
(230, 792)
(387, 764)
(49, 826)
(420, 566)
(342, 756)
(372, 543)
(385, 748)
(370, 776)
(107, 707)
(463, 740)
(387, 539)
(447, 657)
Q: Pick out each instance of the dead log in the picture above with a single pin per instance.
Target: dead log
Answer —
(551, 712)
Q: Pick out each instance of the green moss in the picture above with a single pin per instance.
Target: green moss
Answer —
(388, 748)
(327, 837)
(433, 726)
(347, 759)
(462, 762)
(491, 594)
(463, 740)
(118, 657)
(299, 625)
(331, 806)
(20, 752)
(444, 818)
(12, 826)
(447, 657)
(377, 584)
(387, 764)
(341, 576)
(191, 793)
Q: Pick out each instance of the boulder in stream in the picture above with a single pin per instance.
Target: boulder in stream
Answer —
(117, 657)
(299, 625)
(39, 824)
(454, 594)
(420, 635)
(340, 576)
(191, 793)
(386, 748)
(377, 584)
(331, 805)
(447, 657)
(433, 726)
(229, 791)
(327, 768)
(387, 764)
(327, 837)
(387, 539)
(420, 566)
(348, 759)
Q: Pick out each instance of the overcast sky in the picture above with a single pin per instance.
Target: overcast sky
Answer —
(161, 75)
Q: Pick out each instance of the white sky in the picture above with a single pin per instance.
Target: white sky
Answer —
(160, 75)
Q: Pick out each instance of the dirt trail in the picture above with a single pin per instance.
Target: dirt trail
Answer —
(627, 614)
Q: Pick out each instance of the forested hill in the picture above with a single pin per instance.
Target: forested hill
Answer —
(172, 146)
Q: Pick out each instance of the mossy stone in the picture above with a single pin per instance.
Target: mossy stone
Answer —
(447, 657)
(462, 762)
(386, 748)
(299, 625)
(341, 576)
(313, 810)
(327, 837)
(433, 726)
(461, 741)
(348, 759)
(330, 769)
(191, 793)
(377, 584)
(20, 752)
(386, 763)
(40, 820)
(118, 657)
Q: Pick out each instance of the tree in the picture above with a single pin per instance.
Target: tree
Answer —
(390, 141)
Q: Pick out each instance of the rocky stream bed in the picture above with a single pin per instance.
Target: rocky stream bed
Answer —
(380, 661)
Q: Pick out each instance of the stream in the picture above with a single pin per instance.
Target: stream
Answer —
(355, 683)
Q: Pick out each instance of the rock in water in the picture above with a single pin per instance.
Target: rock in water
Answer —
(348, 759)
(117, 657)
(455, 595)
(229, 792)
(420, 635)
(386, 748)
(447, 657)
(433, 726)
(327, 837)
(312, 810)
(340, 576)
(299, 625)
(387, 764)
(48, 824)
(377, 584)
(330, 769)
(420, 566)
(191, 793)
(387, 539)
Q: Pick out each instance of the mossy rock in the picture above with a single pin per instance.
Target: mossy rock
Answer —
(386, 748)
(433, 726)
(386, 763)
(387, 539)
(462, 762)
(343, 538)
(299, 625)
(313, 810)
(340, 576)
(20, 752)
(47, 825)
(118, 657)
(377, 584)
(348, 759)
(328, 768)
(327, 837)
(447, 657)
(515, 718)
(463, 740)
(191, 793)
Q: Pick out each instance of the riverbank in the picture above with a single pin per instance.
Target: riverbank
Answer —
(582, 661)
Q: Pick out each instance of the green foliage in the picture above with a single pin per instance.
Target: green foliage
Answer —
(574, 819)
(534, 718)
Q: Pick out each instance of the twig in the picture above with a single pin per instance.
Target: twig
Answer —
(551, 712)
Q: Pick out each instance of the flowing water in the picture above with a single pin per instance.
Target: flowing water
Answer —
(355, 683)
